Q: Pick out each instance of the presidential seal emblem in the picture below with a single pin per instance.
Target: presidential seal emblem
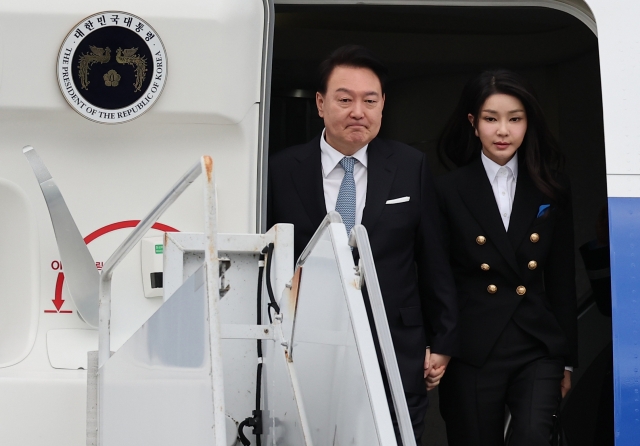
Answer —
(112, 67)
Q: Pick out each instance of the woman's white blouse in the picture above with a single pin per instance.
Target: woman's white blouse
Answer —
(503, 182)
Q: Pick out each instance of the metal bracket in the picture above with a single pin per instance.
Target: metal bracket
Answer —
(224, 264)
(359, 272)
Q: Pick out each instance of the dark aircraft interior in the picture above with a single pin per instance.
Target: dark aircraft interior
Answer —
(431, 51)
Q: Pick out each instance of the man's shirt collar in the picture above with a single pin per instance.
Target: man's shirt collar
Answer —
(331, 157)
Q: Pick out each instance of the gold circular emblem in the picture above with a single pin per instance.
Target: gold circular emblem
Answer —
(481, 240)
(112, 67)
(534, 237)
(111, 78)
(532, 265)
(492, 289)
(521, 290)
(485, 267)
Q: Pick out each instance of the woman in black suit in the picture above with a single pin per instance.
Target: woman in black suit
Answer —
(508, 224)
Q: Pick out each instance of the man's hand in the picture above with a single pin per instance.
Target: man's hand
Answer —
(427, 363)
(565, 384)
(437, 366)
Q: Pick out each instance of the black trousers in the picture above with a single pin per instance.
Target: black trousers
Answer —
(519, 374)
(417, 405)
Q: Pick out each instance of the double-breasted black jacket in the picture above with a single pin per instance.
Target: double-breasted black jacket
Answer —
(413, 272)
(526, 273)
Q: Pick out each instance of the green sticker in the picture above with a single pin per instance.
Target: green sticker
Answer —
(159, 249)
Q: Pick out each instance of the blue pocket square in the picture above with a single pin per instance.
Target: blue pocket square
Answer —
(542, 209)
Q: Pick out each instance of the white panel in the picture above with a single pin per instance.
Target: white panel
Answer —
(322, 308)
(333, 353)
(625, 186)
(112, 177)
(282, 420)
(31, 402)
(207, 81)
(620, 70)
(68, 348)
(157, 388)
(111, 174)
(18, 275)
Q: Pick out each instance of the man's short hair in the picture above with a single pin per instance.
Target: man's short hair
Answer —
(353, 56)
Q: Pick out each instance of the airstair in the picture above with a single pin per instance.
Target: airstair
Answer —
(248, 347)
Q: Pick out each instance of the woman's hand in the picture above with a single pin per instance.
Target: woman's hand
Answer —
(437, 366)
(565, 384)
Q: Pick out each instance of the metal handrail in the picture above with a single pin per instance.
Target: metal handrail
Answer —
(204, 165)
(331, 217)
(359, 238)
(80, 269)
(104, 311)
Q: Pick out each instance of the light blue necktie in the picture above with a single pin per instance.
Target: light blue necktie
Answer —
(346, 203)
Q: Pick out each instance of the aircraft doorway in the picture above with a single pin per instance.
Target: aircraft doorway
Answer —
(431, 51)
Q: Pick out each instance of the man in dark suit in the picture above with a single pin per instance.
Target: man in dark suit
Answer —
(386, 186)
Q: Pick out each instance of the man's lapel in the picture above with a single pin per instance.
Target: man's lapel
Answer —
(477, 194)
(523, 212)
(308, 181)
(380, 174)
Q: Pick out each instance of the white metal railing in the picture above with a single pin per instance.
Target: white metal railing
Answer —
(205, 165)
(331, 217)
(104, 312)
(359, 238)
(80, 270)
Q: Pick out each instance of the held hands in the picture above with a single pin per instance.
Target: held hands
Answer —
(565, 384)
(434, 368)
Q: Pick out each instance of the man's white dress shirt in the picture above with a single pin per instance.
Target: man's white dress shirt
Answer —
(333, 173)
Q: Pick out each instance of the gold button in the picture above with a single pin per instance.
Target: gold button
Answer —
(492, 289)
(521, 290)
(532, 265)
(481, 240)
(485, 267)
(534, 237)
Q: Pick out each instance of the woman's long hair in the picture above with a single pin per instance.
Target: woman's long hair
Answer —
(539, 151)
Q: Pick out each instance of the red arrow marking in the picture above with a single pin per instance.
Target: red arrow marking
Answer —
(58, 301)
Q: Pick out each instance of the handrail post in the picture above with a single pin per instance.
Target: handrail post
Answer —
(213, 295)
(360, 239)
(205, 164)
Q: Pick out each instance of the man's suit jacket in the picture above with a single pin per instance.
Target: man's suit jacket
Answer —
(415, 279)
(536, 253)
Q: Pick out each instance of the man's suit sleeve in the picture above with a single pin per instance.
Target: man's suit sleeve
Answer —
(435, 279)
